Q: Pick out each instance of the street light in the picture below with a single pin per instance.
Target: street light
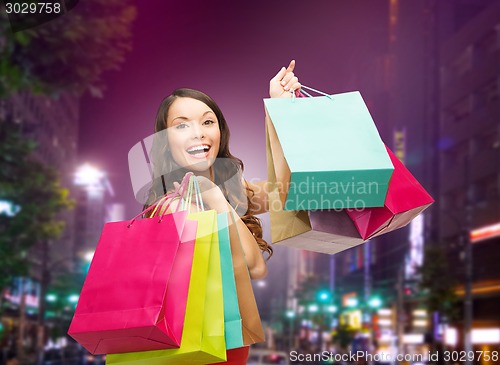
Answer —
(73, 298)
(89, 177)
(323, 296)
(332, 309)
(51, 298)
(375, 303)
(352, 302)
(313, 308)
(88, 256)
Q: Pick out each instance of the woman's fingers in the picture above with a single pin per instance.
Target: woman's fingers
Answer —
(287, 78)
(279, 76)
(294, 80)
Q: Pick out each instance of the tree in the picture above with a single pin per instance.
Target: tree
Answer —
(69, 53)
(34, 196)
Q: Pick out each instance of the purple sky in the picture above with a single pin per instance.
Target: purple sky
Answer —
(230, 50)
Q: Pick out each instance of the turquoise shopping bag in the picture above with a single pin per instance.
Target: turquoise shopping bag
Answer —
(332, 153)
(233, 330)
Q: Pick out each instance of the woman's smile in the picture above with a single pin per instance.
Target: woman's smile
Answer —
(199, 151)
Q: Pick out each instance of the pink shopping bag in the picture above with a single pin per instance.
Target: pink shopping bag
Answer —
(405, 199)
(134, 297)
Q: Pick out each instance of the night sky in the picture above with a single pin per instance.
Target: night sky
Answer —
(230, 50)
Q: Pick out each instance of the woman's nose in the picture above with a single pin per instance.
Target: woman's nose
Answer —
(197, 131)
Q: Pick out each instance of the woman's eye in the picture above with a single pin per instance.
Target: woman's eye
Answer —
(181, 126)
(208, 121)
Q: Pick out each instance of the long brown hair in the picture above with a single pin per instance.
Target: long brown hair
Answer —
(163, 162)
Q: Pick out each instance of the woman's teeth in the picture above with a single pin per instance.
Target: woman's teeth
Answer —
(198, 149)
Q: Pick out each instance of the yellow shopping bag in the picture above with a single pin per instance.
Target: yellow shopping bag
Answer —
(203, 336)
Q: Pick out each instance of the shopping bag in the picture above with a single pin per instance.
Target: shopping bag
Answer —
(138, 271)
(232, 319)
(325, 231)
(236, 356)
(203, 336)
(251, 323)
(114, 314)
(334, 156)
(405, 200)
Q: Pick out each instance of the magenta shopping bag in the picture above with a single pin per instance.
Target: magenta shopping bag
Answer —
(134, 296)
(405, 200)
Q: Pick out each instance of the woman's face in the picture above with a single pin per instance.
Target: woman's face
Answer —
(193, 134)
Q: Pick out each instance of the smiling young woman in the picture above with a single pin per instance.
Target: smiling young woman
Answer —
(195, 139)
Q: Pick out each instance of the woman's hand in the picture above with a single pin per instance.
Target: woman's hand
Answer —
(284, 83)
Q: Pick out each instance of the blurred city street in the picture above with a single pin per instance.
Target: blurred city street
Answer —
(79, 91)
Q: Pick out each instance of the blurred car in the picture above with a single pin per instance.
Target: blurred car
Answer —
(267, 357)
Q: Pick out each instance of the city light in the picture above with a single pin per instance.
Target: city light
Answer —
(313, 308)
(290, 314)
(261, 283)
(9, 209)
(384, 312)
(486, 336)
(420, 323)
(414, 339)
(51, 298)
(89, 256)
(323, 296)
(89, 177)
(420, 313)
(375, 302)
(73, 298)
(384, 322)
(451, 336)
(352, 302)
(332, 309)
(485, 233)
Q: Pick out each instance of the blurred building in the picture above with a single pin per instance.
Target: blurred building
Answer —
(469, 153)
(433, 90)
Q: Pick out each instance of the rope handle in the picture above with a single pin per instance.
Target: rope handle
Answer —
(302, 92)
(194, 189)
(183, 185)
(162, 199)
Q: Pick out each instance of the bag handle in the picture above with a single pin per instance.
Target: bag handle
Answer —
(183, 186)
(177, 193)
(302, 92)
(193, 189)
